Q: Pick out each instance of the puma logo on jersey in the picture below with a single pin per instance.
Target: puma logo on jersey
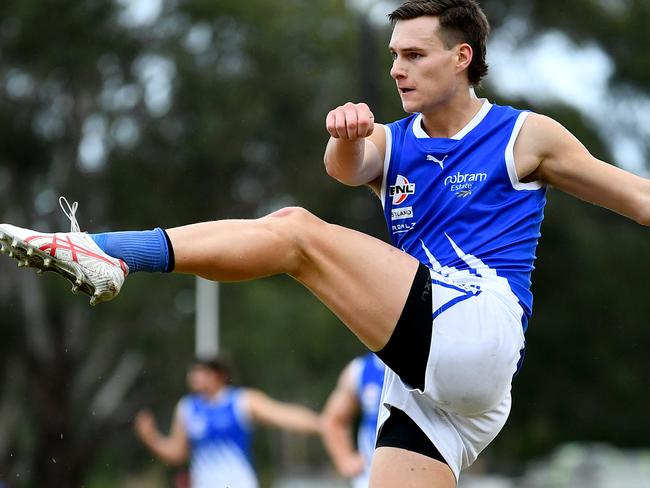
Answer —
(439, 162)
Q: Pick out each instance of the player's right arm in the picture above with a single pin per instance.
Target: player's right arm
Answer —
(355, 152)
(341, 409)
(171, 449)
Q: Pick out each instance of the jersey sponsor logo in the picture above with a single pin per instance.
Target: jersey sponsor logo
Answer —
(459, 178)
(403, 228)
(439, 162)
(463, 183)
(401, 213)
(401, 190)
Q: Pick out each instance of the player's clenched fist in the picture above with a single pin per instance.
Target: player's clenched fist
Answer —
(350, 121)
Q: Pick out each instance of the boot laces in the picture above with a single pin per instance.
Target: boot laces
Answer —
(70, 213)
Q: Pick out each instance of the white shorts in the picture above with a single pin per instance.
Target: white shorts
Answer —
(476, 342)
(361, 481)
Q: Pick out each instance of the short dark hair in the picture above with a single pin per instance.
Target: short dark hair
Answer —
(217, 364)
(460, 21)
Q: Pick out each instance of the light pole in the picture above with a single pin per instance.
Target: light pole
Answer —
(206, 335)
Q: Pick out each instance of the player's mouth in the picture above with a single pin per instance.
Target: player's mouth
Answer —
(405, 90)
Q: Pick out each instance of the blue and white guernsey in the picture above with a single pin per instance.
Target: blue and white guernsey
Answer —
(457, 205)
(370, 380)
(219, 433)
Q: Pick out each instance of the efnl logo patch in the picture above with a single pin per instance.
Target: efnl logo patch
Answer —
(401, 190)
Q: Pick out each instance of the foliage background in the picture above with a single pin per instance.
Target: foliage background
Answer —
(215, 110)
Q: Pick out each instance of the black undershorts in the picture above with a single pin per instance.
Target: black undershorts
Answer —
(402, 432)
(407, 350)
(407, 354)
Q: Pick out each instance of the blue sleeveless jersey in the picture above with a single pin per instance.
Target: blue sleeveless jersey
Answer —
(220, 440)
(457, 206)
(371, 381)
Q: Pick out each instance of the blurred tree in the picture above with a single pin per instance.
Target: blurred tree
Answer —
(618, 27)
(200, 110)
(65, 381)
(191, 114)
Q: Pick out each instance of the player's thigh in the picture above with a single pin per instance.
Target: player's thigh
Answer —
(393, 467)
(362, 279)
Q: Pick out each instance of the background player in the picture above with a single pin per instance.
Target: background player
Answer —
(213, 427)
(355, 399)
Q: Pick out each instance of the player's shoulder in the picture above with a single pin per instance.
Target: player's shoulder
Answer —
(540, 138)
(537, 119)
(508, 114)
(356, 363)
(189, 399)
(532, 120)
(248, 396)
(540, 131)
(351, 374)
(186, 405)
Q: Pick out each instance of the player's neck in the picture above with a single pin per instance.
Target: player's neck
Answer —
(213, 392)
(449, 118)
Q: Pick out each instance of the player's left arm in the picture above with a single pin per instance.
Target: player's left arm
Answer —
(546, 151)
(288, 416)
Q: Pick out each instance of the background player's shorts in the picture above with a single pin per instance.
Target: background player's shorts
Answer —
(458, 390)
(361, 481)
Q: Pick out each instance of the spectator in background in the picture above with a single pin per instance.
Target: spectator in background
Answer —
(354, 399)
(213, 426)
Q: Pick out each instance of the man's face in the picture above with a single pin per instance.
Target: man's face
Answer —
(424, 70)
(203, 380)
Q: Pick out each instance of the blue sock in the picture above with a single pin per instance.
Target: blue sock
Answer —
(146, 250)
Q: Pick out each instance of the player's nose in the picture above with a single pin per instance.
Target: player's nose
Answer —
(397, 70)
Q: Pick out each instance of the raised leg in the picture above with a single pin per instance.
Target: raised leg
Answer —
(363, 280)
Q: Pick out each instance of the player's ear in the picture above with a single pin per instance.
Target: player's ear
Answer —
(464, 55)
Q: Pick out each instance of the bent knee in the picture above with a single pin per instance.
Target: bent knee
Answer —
(293, 214)
(298, 228)
(296, 222)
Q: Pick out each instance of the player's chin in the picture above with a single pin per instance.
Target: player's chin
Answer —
(409, 107)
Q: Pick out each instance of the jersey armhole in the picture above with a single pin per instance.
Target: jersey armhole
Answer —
(183, 409)
(241, 413)
(387, 155)
(510, 159)
(354, 373)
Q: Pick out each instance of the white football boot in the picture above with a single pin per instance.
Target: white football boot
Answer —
(74, 255)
